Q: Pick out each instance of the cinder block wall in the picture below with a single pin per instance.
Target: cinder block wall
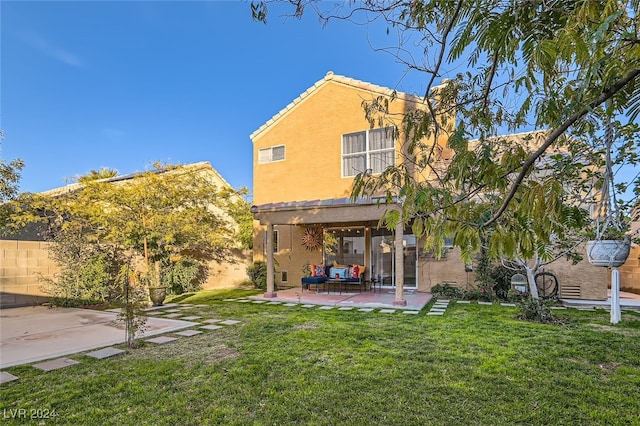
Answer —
(22, 264)
(630, 272)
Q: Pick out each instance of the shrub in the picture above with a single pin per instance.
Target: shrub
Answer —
(537, 310)
(483, 293)
(88, 271)
(258, 274)
(184, 276)
(447, 291)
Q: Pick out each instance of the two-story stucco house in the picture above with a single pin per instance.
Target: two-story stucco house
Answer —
(304, 162)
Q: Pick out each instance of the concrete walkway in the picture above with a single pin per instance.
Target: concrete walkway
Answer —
(627, 301)
(36, 333)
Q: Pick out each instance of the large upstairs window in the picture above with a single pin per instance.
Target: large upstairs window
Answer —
(371, 149)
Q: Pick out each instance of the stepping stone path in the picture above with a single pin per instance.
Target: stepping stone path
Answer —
(105, 353)
(325, 307)
(464, 302)
(161, 340)
(257, 302)
(55, 364)
(176, 315)
(365, 310)
(173, 311)
(229, 322)
(345, 308)
(387, 311)
(244, 300)
(439, 308)
(190, 318)
(508, 304)
(274, 303)
(411, 312)
(188, 333)
(308, 306)
(154, 313)
(485, 303)
(212, 321)
(290, 304)
(7, 377)
(211, 327)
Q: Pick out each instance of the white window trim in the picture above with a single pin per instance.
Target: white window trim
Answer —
(270, 151)
(367, 151)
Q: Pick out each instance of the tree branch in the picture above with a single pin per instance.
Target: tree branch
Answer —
(555, 134)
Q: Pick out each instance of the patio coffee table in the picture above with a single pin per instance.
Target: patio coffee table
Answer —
(340, 282)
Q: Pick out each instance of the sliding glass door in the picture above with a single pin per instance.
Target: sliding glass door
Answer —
(383, 258)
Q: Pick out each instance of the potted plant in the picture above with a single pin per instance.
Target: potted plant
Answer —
(610, 249)
(610, 242)
(157, 292)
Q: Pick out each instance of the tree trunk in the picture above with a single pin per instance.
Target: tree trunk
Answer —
(531, 279)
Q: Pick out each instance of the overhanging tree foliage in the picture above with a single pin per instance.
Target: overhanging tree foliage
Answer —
(563, 66)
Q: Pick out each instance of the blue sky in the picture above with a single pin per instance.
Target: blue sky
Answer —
(121, 84)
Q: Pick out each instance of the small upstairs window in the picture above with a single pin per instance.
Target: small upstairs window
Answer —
(271, 154)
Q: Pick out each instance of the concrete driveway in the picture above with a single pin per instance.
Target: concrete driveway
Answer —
(33, 334)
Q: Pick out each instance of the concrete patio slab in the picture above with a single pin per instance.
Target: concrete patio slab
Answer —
(55, 364)
(7, 377)
(105, 353)
(32, 334)
(367, 299)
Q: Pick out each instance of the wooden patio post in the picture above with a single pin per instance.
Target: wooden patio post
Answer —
(270, 272)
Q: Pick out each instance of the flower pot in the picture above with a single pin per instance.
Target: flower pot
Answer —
(608, 253)
(157, 295)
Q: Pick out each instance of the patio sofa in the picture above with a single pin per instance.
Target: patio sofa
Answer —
(320, 274)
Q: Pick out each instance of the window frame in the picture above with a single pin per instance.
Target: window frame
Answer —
(270, 151)
(276, 241)
(368, 151)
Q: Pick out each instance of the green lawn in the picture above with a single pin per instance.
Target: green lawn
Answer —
(281, 366)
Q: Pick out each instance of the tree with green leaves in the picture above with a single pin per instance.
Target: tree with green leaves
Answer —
(9, 178)
(171, 215)
(568, 67)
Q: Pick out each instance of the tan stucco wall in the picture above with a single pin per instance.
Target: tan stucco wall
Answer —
(291, 255)
(22, 263)
(581, 281)
(229, 274)
(312, 135)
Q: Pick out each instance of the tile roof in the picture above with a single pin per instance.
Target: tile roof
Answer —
(309, 204)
